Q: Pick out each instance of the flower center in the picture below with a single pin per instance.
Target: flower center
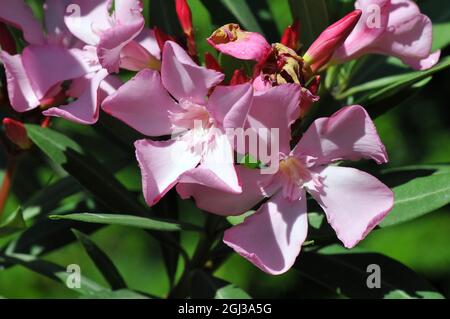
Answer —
(193, 116)
(294, 171)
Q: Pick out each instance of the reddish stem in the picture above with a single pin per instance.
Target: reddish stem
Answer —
(6, 185)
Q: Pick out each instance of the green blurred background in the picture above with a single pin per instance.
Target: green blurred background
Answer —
(415, 132)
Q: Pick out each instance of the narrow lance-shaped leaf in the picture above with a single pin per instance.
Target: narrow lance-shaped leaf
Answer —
(87, 170)
(418, 191)
(313, 16)
(347, 273)
(101, 261)
(157, 224)
(243, 14)
(54, 272)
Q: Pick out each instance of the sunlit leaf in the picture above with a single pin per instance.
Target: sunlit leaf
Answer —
(158, 224)
(419, 190)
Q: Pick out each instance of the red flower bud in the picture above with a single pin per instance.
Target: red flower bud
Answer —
(184, 15)
(185, 19)
(211, 62)
(239, 77)
(7, 42)
(17, 133)
(291, 36)
(162, 38)
(322, 50)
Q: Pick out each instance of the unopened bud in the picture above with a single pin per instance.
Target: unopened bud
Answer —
(17, 133)
(291, 36)
(322, 50)
(211, 62)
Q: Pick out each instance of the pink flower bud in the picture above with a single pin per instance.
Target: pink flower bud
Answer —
(17, 133)
(322, 50)
(291, 36)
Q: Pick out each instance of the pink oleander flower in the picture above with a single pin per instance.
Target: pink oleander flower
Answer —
(118, 38)
(394, 28)
(354, 201)
(178, 102)
(53, 57)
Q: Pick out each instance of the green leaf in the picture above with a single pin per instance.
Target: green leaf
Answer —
(85, 169)
(13, 224)
(49, 197)
(313, 15)
(163, 15)
(101, 261)
(390, 85)
(441, 22)
(52, 271)
(243, 13)
(236, 220)
(420, 190)
(157, 224)
(205, 286)
(346, 274)
(399, 83)
(45, 236)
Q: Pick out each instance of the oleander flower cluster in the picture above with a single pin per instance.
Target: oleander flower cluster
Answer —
(198, 125)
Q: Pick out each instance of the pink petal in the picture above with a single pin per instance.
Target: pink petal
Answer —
(21, 94)
(54, 11)
(348, 134)
(135, 57)
(48, 65)
(199, 183)
(230, 104)
(143, 104)
(162, 164)
(425, 63)
(127, 11)
(113, 40)
(147, 39)
(354, 202)
(411, 36)
(231, 40)
(271, 238)
(365, 34)
(20, 16)
(276, 108)
(183, 78)
(94, 18)
(109, 86)
(85, 110)
(219, 159)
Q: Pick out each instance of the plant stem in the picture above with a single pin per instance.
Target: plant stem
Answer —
(200, 257)
(6, 184)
